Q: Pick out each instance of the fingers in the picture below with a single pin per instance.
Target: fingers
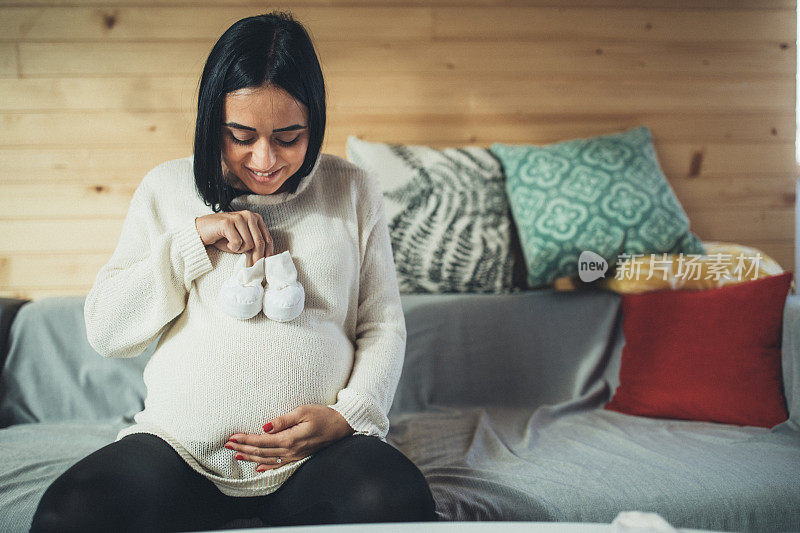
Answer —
(242, 225)
(272, 464)
(266, 458)
(268, 462)
(282, 422)
(269, 247)
(246, 232)
(236, 232)
(256, 453)
(259, 243)
(230, 232)
(265, 445)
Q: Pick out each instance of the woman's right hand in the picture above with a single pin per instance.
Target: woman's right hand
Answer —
(236, 232)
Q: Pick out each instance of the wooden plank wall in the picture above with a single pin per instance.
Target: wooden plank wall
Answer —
(95, 93)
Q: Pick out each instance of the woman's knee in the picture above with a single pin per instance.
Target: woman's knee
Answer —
(389, 498)
(126, 485)
(70, 503)
(102, 501)
(385, 486)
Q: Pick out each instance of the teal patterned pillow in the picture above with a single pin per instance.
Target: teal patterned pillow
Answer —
(606, 194)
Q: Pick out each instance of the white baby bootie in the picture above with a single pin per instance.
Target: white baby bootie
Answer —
(241, 296)
(285, 297)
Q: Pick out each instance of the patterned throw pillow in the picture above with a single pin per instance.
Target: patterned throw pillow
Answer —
(448, 215)
(606, 194)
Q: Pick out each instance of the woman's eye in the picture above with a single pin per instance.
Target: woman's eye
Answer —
(287, 143)
(250, 141)
(240, 141)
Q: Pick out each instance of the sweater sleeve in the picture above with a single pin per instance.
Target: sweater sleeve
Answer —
(380, 335)
(145, 283)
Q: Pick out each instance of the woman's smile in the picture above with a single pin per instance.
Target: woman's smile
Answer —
(263, 176)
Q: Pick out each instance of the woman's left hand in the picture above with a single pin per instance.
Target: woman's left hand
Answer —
(291, 437)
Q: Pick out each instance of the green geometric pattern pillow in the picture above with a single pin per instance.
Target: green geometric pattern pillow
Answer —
(606, 194)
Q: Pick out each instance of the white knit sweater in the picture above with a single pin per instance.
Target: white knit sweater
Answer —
(212, 375)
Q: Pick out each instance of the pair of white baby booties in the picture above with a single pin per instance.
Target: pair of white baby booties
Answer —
(242, 296)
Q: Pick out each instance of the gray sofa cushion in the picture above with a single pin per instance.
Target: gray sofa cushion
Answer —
(51, 374)
(575, 463)
(516, 350)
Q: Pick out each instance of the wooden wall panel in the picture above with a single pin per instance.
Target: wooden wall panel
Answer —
(534, 58)
(117, 22)
(593, 23)
(459, 93)
(95, 93)
(9, 67)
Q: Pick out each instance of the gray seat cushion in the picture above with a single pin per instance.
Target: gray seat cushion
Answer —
(574, 463)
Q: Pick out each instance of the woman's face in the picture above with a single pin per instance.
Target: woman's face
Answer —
(264, 138)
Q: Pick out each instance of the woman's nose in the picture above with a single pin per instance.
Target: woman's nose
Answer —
(263, 157)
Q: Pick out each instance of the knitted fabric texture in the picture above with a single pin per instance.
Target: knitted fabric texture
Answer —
(212, 375)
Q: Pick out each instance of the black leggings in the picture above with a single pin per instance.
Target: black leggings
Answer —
(140, 483)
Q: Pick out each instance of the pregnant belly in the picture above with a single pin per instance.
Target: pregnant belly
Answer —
(205, 386)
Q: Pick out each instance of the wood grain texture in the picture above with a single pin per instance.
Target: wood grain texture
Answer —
(622, 23)
(158, 23)
(95, 94)
(526, 93)
(610, 60)
(9, 67)
(74, 235)
(541, 128)
(51, 271)
(40, 201)
(741, 224)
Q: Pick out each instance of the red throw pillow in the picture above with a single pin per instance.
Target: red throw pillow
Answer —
(712, 355)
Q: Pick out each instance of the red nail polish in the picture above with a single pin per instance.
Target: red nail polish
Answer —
(229, 446)
(268, 426)
(238, 456)
(233, 440)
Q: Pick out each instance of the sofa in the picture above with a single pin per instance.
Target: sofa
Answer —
(499, 404)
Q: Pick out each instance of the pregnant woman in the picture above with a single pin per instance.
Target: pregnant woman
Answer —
(252, 409)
